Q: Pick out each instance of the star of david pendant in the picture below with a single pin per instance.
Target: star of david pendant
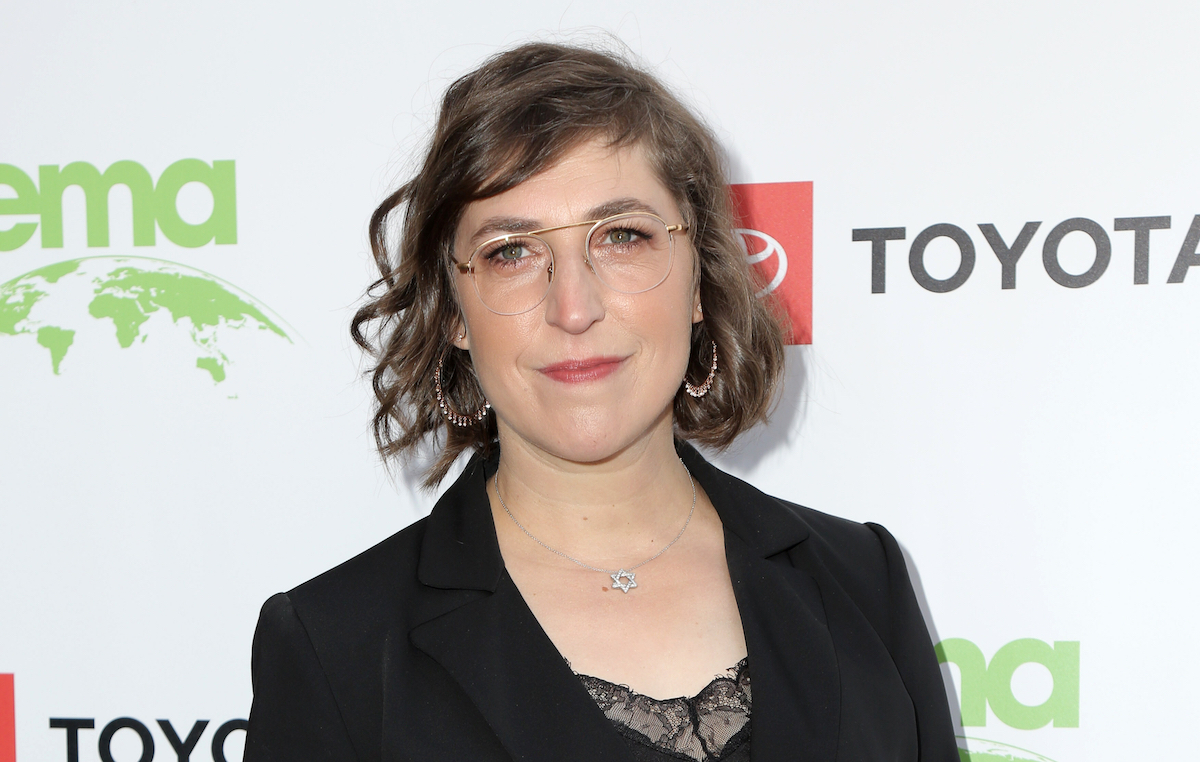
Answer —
(628, 583)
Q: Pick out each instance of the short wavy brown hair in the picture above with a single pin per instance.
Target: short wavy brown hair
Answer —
(516, 115)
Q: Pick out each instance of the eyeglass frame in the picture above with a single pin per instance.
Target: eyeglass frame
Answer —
(468, 267)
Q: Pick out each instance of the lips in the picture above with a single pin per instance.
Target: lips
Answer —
(580, 371)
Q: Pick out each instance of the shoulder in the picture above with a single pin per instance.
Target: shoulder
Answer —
(773, 525)
(316, 654)
(363, 593)
(345, 614)
(854, 549)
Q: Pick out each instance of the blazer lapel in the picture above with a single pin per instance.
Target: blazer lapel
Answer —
(793, 665)
(492, 644)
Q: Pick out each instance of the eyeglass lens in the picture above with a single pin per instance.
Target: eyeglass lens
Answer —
(629, 253)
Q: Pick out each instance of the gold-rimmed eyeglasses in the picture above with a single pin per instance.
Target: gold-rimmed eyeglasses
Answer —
(630, 253)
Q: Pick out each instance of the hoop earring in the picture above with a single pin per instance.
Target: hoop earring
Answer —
(452, 415)
(702, 389)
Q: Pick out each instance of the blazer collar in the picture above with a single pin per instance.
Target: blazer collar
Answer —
(766, 524)
(460, 550)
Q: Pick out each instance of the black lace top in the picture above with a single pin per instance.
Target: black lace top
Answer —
(712, 725)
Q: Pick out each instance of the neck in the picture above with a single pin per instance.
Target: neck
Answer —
(630, 502)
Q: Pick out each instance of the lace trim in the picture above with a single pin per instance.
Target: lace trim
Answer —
(703, 728)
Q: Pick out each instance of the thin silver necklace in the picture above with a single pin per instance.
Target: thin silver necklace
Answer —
(622, 579)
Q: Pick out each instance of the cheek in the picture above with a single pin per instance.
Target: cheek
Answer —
(684, 298)
(666, 325)
(496, 344)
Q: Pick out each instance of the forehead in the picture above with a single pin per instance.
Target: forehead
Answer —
(592, 180)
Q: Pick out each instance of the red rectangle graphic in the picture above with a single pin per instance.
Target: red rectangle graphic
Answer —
(775, 224)
(8, 720)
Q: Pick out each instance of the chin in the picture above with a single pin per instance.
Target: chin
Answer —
(584, 443)
(590, 438)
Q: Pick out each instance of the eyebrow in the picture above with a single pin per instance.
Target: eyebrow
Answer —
(501, 225)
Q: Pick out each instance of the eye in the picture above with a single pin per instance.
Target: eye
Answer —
(507, 252)
(513, 256)
(618, 236)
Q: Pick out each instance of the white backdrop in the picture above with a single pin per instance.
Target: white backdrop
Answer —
(1033, 448)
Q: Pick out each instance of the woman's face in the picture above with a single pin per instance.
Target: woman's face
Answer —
(590, 371)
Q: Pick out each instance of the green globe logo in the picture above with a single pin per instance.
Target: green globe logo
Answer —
(56, 303)
(994, 751)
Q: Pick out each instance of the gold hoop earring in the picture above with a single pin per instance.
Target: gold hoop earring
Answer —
(702, 389)
(452, 415)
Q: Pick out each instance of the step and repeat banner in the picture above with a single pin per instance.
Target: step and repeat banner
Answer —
(983, 221)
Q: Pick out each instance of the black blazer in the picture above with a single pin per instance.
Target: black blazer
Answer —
(422, 648)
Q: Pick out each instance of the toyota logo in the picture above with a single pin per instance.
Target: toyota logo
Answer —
(770, 247)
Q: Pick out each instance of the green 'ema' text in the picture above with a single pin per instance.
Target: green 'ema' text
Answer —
(154, 204)
(985, 684)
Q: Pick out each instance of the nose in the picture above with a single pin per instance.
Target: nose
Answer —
(576, 299)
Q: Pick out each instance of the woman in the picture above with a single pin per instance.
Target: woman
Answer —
(567, 300)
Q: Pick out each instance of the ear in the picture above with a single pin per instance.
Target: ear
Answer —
(697, 308)
(459, 337)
